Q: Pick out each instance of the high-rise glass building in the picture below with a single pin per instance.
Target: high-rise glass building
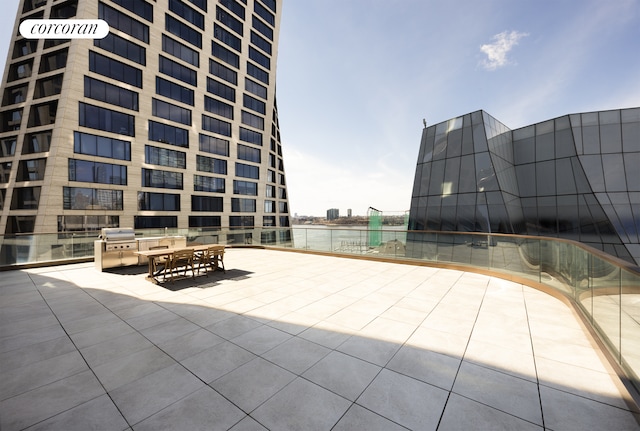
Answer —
(168, 121)
(575, 177)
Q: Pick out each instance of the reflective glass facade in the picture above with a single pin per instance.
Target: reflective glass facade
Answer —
(575, 177)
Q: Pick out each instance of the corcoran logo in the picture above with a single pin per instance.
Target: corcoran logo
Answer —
(64, 28)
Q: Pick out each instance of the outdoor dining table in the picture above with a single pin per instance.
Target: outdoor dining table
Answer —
(151, 255)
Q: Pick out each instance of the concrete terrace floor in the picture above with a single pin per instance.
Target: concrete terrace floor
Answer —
(289, 341)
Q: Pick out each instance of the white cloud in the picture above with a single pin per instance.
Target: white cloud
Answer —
(497, 51)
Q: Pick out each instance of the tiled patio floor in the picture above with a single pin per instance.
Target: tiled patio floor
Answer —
(288, 341)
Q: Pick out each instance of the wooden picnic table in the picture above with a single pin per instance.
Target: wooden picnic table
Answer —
(154, 255)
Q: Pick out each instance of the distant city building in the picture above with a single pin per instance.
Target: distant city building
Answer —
(169, 121)
(575, 177)
(349, 213)
(333, 214)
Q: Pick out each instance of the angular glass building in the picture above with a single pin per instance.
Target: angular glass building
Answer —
(168, 121)
(575, 177)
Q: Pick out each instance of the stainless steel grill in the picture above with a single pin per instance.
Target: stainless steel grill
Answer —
(116, 247)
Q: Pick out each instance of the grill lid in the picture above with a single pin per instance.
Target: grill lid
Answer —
(118, 234)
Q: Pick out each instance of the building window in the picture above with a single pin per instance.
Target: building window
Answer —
(48, 86)
(240, 205)
(122, 47)
(234, 7)
(31, 170)
(97, 172)
(161, 179)
(24, 47)
(64, 10)
(187, 12)
(227, 37)
(241, 221)
(248, 153)
(99, 118)
(172, 112)
(210, 164)
(254, 104)
(183, 31)
(102, 146)
(217, 107)
(8, 146)
(258, 73)
(43, 114)
(270, 191)
(213, 145)
(228, 20)
(13, 95)
(20, 70)
(205, 221)
(216, 126)
(202, 4)
(208, 184)
(123, 22)
(224, 54)
(174, 91)
(168, 134)
(247, 171)
(5, 172)
(53, 61)
(250, 136)
(154, 222)
(264, 29)
(282, 207)
(3, 196)
(206, 203)
(261, 43)
(259, 58)
(264, 13)
(223, 72)
(25, 198)
(255, 88)
(268, 221)
(282, 193)
(83, 223)
(219, 89)
(148, 201)
(269, 207)
(139, 7)
(84, 198)
(115, 69)
(165, 157)
(178, 71)
(247, 188)
(11, 120)
(20, 224)
(109, 93)
(252, 120)
(284, 221)
(180, 50)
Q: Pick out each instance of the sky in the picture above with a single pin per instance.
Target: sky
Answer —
(356, 78)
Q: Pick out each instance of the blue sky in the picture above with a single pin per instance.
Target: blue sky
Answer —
(355, 78)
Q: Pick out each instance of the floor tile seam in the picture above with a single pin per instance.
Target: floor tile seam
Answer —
(464, 352)
(131, 426)
(541, 426)
(84, 359)
(585, 397)
(533, 351)
(40, 386)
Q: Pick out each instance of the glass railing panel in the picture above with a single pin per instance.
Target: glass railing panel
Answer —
(605, 299)
(630, 322)
(422, 246)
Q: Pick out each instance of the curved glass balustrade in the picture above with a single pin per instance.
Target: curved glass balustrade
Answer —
(605, 289)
